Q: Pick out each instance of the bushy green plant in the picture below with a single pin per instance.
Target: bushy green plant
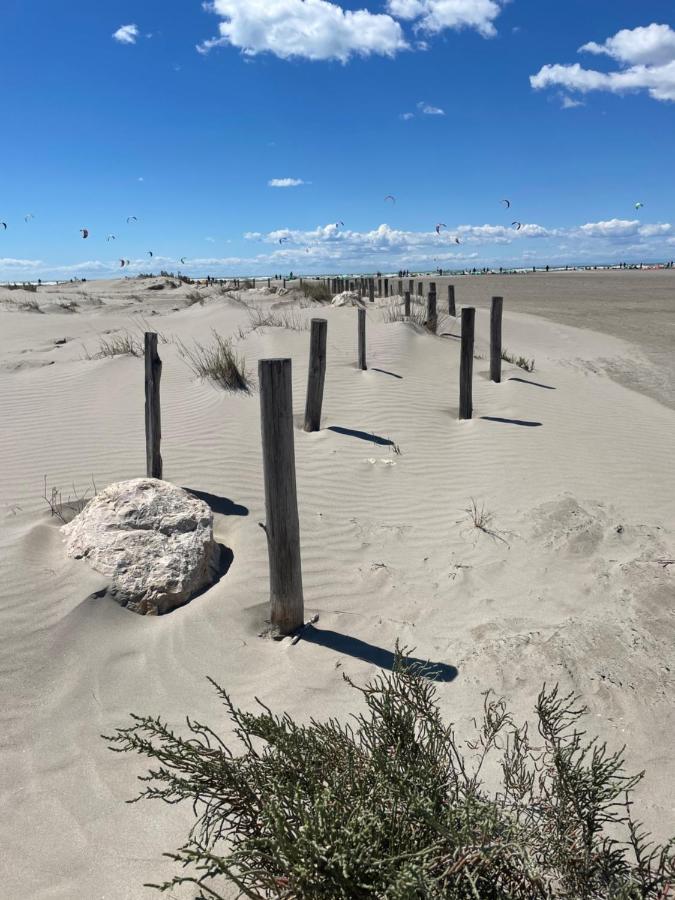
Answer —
(389, 806)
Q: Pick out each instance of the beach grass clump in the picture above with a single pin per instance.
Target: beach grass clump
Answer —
(29, 306)
(394, 311)
(122, 344)
(521, 361)
(316, 291)
(218, 362)
(194, 297)
(65, 509)
(394, 805)
(270, 318)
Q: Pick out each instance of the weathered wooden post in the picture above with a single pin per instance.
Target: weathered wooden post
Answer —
(269, 282)
(496, 339)
(420, 289)
(411, 285)
(317, 374)
(466, 366)
(371, 290)
(362, 340)
(379, 287)
(281, 502)
(386, 287)
(432, 310)
(400, 287)
(451, 300)
(284, 282)
(406, 301)
(153, 412)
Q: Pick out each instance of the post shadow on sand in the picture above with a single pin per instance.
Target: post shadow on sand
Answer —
(385, 372)
(377, 656)
(534, 383)
(220, 505)
(362, 435)
(524, 423)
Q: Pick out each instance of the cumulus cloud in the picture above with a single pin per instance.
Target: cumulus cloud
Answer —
(127, 34)
(647, 55)
(285, 182)
(433, 16)
(307, 29)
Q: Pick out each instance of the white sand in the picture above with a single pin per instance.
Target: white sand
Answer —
(572, 592)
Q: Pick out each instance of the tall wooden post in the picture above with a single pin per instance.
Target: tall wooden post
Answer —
(466, 366)
(317, 374)
(379, 287)
(407, 303)
(362, 340)
(386, 287)
(451, 300)
(432, 310)
(411, 285)
(153, 412)
(281, 501)
(496, 339)
(371, 290)
(420, 289)
(400, 287)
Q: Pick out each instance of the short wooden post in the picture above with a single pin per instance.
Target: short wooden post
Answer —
(406, 301)
(420, 289)
(496, 339)
(284, 282)
(432, 312)
(371, 290)
(411, 285)
(269, 282)
(451, 300)
(379, 287)
(281, 502)
(386, 287)
(362, 340)
(466, 367)
(400, 287)
(317, 374)
(153, 412)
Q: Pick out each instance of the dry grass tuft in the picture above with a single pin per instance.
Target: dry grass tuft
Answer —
(219, 363)
(122, 344)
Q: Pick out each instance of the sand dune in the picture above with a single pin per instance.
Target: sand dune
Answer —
(575, 469)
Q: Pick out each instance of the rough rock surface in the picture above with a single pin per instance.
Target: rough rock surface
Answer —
(153, 539)
(347, 298)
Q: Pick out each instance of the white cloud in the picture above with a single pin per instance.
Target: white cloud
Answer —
(427, 110)
(127, 34)
(646, 53)
(285, 182)
(612, 228)
(653, 45)
(434, 16)
(307, 29)
(567, 102)
(406, 117)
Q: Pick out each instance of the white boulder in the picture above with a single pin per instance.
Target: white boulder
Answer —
(153, 539)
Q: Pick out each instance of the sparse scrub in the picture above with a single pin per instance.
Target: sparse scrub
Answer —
(521, 361)
(194, 297)
(30, 288)
(122, 344)
(29, 306)
(70, 306)
(393, 805)
(66, 510)
(219, 363)
(269, 318)
(316, 291)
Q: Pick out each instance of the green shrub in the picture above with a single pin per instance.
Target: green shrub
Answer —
(390, 806)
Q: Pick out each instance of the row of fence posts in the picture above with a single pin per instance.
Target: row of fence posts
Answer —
(282, 527)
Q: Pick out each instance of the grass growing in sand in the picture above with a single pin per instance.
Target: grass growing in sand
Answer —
(269, 318)
(122, 344)
(316, 291)
(393, 805)
(218, 362)
(521, 361)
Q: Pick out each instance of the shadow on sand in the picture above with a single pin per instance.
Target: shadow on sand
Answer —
(220, 505)
(524, 423)
(534, 383)
(362, 435)
(377, 656)
(385, 372)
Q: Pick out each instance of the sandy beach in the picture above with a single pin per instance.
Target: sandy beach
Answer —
(573, 462)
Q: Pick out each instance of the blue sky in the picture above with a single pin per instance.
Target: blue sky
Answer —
(181, 115)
